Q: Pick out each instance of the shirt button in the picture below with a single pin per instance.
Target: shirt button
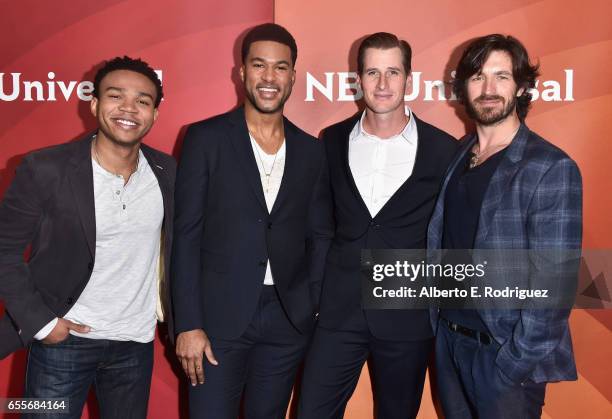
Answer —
(118, 192)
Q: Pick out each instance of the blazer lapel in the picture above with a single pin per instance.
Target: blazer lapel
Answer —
(499, 183)
(81, 182)
(239, 136)
(434, 232)
(420, 164)
(162, 178)
(344, 153)
(292, 165)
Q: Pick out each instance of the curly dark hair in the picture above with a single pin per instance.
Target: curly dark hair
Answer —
(131, 64)
(476, 54)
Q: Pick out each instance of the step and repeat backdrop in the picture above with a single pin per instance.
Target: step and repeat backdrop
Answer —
(49, 52)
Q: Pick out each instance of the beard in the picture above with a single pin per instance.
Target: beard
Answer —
(490, 115)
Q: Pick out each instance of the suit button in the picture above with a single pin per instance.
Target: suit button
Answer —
(70, 301)
(262, 263)
(259, 220)
(269, 226)
(377, 227)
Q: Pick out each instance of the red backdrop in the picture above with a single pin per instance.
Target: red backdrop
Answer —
(194, 44)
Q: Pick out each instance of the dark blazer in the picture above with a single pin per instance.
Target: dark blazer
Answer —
(400, 224)
(224, 233)
(534, 201)
(50, 205)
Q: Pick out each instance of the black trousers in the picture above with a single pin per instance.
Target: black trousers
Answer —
(470, 384)
(257, 368)
(334, 363)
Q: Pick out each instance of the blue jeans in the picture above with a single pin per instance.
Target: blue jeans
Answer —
(119, 371)
(470, 384)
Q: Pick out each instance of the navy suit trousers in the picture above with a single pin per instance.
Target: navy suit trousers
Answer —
(334, 363)
(257, 369)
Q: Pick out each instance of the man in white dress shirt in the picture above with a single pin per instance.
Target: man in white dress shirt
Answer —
(385, 168)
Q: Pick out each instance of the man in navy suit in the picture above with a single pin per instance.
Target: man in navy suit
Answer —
(250, 243)
(386, 167)
(507, 188)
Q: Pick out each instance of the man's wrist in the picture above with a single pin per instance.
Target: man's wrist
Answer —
(46, 330)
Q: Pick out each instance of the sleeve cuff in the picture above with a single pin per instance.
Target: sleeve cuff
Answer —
(44, 332)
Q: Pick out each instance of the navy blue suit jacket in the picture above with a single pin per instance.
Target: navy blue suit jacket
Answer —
(533, 202)
(400, 224)
(224, 233)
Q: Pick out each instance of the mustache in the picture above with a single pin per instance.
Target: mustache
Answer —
(488, 97)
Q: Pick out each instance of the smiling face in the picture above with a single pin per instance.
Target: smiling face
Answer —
(125, 107)
(491, 94)
(268, 76)
(384, 80)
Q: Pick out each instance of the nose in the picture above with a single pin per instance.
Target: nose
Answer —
(488, 87)
(128, 105)
(268, 74)
(382, 82)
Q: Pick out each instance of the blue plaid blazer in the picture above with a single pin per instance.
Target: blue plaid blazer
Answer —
(533, 201)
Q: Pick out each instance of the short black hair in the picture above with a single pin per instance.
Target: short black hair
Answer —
(131, 64)
(384, 40)
(477, 53)
(269, 32)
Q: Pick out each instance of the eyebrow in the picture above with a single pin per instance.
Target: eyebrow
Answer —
(122, 90)
(276, 62)
(388, 68)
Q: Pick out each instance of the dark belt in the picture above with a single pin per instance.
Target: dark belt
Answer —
(481, 337)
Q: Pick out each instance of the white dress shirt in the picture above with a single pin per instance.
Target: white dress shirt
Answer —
(380, 166)
(271, 168)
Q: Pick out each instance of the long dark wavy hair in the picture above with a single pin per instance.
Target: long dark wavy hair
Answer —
(476, 54)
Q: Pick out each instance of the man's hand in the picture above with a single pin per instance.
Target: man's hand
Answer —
(62, 329)
(190, 346)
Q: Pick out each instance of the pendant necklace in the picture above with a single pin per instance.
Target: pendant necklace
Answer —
(263, 168)
(477, 156)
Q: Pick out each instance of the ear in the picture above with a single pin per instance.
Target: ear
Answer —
(292, 76)
(408, 82)
(520, 92)
(93, 106)
(155, 114)
(242, 70)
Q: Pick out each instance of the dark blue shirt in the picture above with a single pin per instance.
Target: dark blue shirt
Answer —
(464, 194)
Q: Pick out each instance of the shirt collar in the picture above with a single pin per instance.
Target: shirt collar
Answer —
(409, 133)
